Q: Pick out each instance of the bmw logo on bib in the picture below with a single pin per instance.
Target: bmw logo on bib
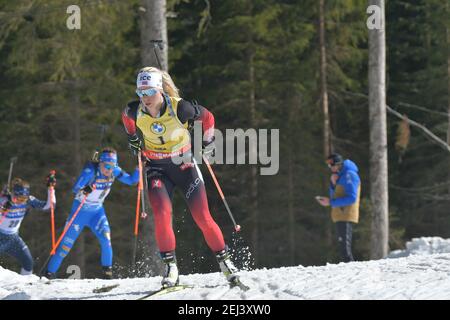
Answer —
(158, 128)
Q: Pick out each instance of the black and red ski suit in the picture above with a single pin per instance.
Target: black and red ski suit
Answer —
(163, 175)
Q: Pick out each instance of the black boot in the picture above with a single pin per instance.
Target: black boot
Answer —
(107, 273)
(170, 277)
(226, 265)
(49, 275)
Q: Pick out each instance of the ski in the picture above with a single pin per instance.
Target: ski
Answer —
(236, 282)
(233, 284)
(163, 291)
(105, 288)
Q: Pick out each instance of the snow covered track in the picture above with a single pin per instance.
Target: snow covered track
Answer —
(412, 277)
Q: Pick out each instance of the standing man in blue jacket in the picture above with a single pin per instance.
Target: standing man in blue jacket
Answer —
(345, 190)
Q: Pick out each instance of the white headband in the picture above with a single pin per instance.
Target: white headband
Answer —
(149, 79)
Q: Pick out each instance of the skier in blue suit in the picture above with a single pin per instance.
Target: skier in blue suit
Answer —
(14, 206)
(94, 183)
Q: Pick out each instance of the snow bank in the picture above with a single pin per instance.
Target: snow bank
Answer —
(423, 246)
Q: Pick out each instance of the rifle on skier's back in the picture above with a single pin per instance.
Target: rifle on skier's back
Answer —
(7, 188)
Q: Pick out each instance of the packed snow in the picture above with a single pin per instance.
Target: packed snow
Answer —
(422, 271)
(423, 246)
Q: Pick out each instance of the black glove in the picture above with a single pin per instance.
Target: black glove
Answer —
(51, 179)
(86, 190)
(209, 149)
(5, 206)
(5, 192)
(135, 144)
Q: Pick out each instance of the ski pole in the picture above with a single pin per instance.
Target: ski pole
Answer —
(237, 227)
(52, 210)
(66, 228)
(11, 164)
(136, 224)
(157, 44)
(52, 216)
(4, 213)
(140, 199)
(141, 182)
(68, 225)
(13, 160)
(8, 186)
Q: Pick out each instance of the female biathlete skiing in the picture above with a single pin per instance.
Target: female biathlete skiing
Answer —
(161, 117)
(14, 206)
(91, 189)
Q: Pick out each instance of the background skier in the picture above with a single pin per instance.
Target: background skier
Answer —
(94, 183)
(14, 206)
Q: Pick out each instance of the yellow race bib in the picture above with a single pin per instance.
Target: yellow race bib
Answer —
(165, 136)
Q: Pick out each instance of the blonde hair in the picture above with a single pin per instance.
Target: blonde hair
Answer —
(168, 84)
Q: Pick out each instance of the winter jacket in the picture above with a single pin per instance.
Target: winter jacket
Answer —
(344, 197)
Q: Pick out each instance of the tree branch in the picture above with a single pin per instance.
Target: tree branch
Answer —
(427, 132)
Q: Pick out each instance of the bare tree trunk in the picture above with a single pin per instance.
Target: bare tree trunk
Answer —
(291, 212)
(327, 148)
(253, 121)
(448, 86)
(295, 105)
(79, 250)
(323, 81)
(378, 138)
(154, 27)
